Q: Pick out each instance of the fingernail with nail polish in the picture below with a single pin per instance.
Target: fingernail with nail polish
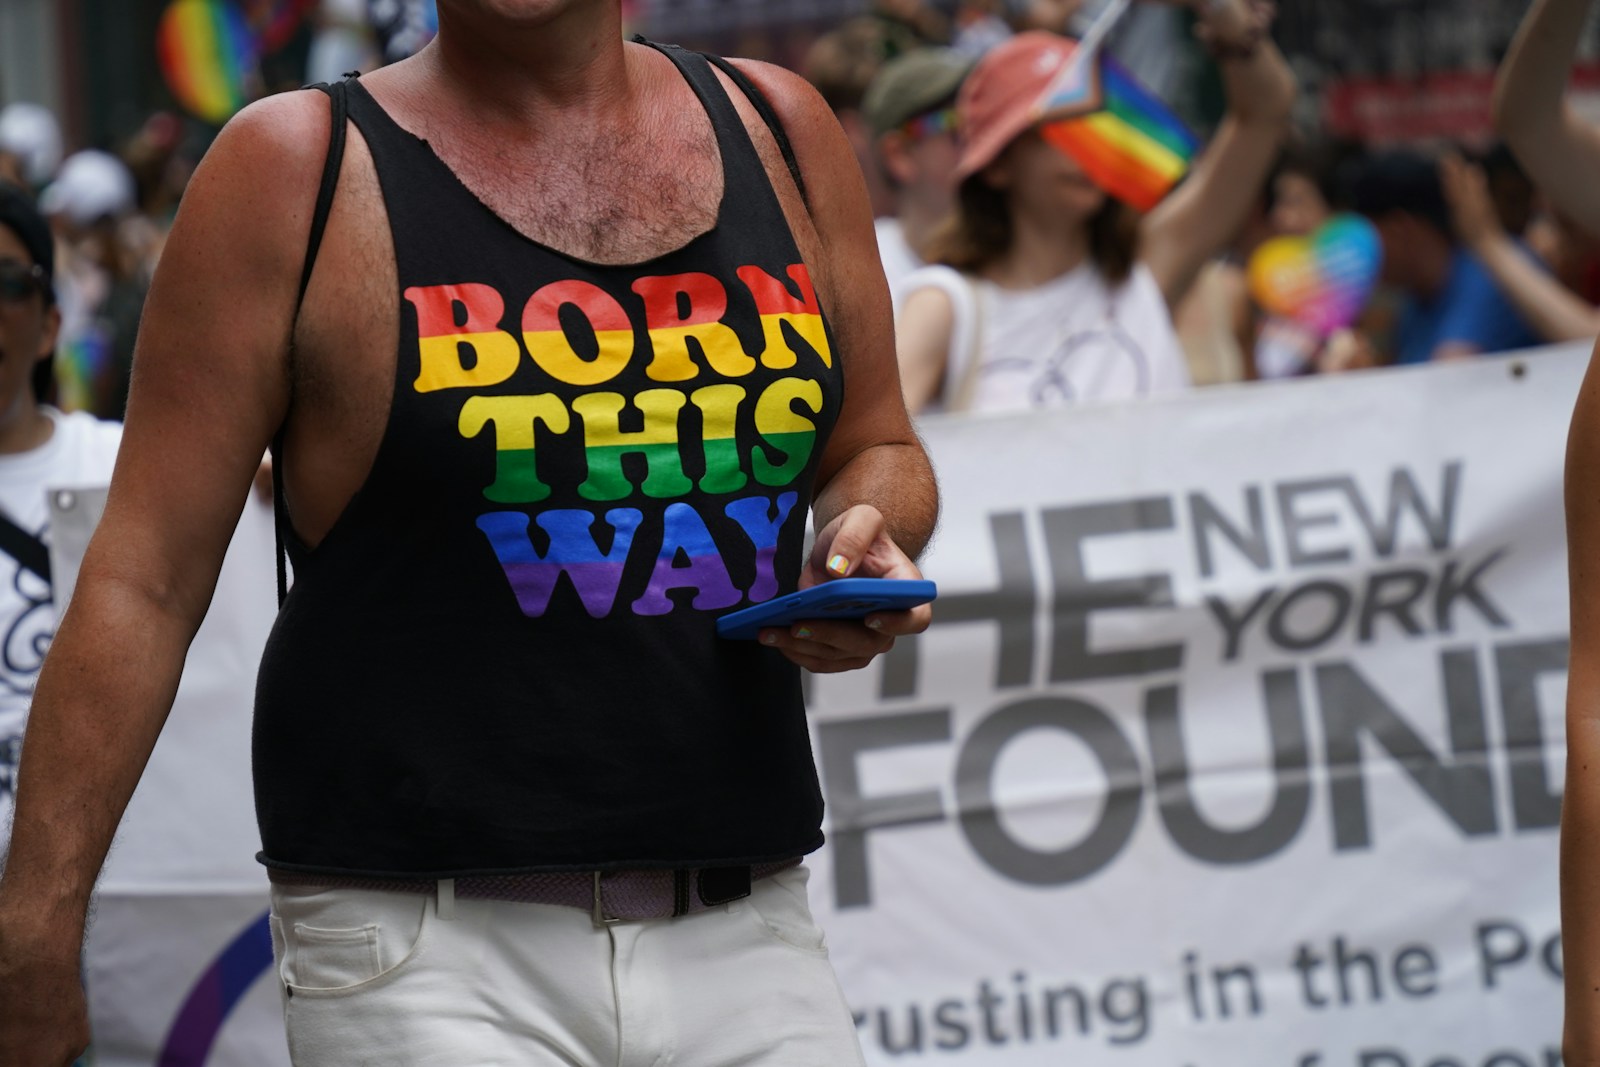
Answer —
(876, 624)
(803, 633)
(769, 639)
(838, 564)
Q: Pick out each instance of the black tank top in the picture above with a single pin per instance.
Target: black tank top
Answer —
(503, 655)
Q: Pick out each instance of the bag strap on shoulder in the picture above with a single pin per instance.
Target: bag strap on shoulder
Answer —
(962, 390)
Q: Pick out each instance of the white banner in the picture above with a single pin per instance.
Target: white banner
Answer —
(1237, 739)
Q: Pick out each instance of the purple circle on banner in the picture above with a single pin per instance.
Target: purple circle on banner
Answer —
(215, 994)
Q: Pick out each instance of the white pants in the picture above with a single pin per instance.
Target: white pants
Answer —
(401, 979)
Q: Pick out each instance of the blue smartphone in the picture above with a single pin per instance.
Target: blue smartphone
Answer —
(842, 598)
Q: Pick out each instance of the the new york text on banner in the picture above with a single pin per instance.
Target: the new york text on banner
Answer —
(1237, 739)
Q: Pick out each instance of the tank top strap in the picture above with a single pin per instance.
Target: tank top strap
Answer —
(417, 185)
(742, 168)
(384, 136)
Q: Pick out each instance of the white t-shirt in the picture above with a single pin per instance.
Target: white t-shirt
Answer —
(79, 455)
(900, 262)
(1073, 340)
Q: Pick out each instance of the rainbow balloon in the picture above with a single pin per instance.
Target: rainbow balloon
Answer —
(1133, 147)
(208, 56)
(1322, 281)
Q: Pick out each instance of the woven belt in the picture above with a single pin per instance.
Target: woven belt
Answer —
(608, 896)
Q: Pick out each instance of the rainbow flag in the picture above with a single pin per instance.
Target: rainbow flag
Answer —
(207, 55)
(1134, 147)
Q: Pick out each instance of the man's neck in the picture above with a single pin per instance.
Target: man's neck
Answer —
(512, 70)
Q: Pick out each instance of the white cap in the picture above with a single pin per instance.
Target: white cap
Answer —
(30, 132)
(91, 186)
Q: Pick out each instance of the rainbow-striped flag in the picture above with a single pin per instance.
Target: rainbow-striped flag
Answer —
(1134, 147)
(208, 56)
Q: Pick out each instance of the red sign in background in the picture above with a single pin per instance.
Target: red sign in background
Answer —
(1448, 105)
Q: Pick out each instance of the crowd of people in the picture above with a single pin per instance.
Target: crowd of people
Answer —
(109, 213)
(1020, 281)
(982, 259)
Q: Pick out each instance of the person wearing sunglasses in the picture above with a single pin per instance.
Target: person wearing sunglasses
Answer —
(29, 319)
(40, 448)
(911, 109)
(1056, 285)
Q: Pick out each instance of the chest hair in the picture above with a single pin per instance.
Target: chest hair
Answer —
(608, 196)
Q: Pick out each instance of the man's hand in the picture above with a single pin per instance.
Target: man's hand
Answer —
(855, 544)
(44, 1021)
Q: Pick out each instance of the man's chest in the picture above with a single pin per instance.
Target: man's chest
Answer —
(631, 207)
(605, 198)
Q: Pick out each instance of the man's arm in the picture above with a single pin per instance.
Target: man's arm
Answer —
(1203, 213)
(210, 387)
(877, 501)
(1560, 151)
(1580, 810)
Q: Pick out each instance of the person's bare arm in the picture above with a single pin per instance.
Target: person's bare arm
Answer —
(1554, 311)
(923, 335)
(1560, 151)
(209, 389)
(1203, 214)
(1580, 810)
(876, 502)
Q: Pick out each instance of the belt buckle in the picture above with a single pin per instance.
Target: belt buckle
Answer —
(599, 917)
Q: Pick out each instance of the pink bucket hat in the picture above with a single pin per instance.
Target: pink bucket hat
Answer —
(999, 99)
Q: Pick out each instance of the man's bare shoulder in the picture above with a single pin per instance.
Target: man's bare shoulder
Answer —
(261, 174)
(294, 112)
(806, 117)
(836, 191)
(246, 212)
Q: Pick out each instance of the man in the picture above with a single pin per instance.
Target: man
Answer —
(556, 396)
(1452, 308)
(910, 107)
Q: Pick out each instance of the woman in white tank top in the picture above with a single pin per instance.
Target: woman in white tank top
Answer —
(1051, 292)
